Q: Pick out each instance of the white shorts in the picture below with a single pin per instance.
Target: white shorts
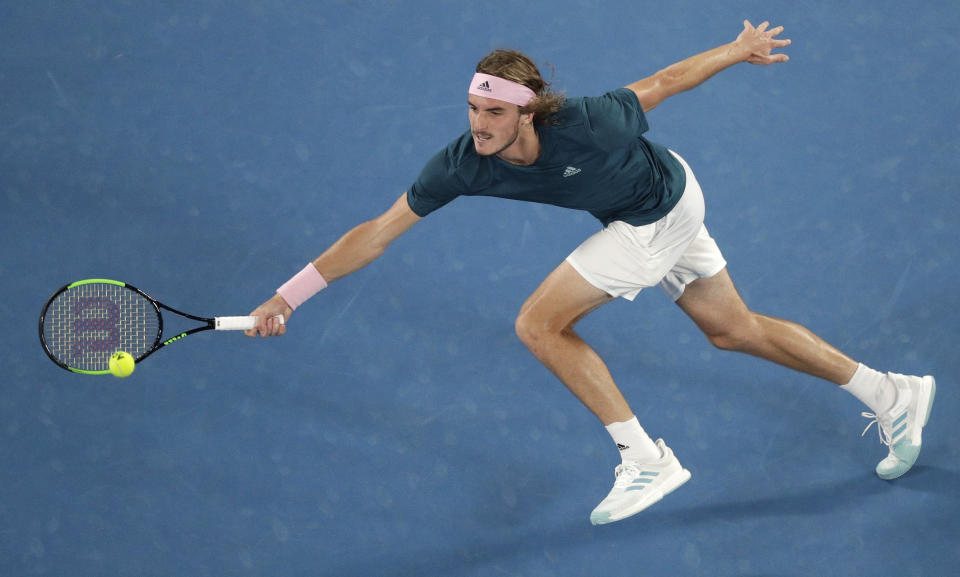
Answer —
(623, 259)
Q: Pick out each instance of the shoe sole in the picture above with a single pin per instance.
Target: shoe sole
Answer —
(901, 469)
(669, 485)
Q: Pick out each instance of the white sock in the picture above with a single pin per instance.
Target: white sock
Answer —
(873, 388)
(633, 442)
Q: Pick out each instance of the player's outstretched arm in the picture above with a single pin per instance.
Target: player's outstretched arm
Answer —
(357, 248)
(753, 45)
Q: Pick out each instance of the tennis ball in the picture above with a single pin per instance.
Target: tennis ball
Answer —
(121, 364)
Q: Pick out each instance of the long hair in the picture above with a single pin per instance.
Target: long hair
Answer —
(518, 67)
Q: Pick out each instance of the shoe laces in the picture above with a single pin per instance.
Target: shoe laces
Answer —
(885, 437)
(626, 473)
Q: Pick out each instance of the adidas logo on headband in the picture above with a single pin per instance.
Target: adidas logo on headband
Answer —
(485, 86)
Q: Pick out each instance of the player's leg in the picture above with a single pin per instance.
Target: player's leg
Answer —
(648, 470)
(545, 325)
(716, 307)
(901, 404)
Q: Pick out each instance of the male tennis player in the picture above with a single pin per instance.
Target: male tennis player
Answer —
(528, 143)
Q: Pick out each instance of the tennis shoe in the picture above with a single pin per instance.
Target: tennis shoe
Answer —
(900, 426)
(639, 485)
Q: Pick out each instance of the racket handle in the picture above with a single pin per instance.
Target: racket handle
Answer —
(238, 323)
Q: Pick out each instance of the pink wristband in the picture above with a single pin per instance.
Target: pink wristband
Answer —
(302, 286)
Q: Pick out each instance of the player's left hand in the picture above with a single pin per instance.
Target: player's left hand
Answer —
(758, 43)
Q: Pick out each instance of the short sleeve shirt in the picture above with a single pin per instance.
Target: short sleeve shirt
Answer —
(593, 157)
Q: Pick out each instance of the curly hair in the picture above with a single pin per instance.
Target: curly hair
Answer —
(518, 67)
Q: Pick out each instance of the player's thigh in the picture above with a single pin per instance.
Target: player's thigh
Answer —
(714, 304)
(562, 299)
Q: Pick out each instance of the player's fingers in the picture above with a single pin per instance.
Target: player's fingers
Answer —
(253, 332)
(263, 328)
(276, 325)
(763, 26)
(287, 313)
(769, 59)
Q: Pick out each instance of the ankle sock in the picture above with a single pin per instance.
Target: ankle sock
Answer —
(873, 388)
(633, 442)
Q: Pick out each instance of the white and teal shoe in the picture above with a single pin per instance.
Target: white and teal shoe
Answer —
(900, 426)
(639, 485)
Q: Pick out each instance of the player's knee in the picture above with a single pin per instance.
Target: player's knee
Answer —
(736, 336)
(530, 329)
(524, 328)
(726, 341)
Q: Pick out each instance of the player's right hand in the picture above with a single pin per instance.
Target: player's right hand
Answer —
(267, 324)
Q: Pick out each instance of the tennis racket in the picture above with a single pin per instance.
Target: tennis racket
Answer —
(85, 322)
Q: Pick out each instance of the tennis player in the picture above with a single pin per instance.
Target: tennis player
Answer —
(528, 143)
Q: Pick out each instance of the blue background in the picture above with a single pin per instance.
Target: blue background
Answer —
(205, 151)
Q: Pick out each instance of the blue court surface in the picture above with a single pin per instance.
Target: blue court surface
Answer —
(205, 151)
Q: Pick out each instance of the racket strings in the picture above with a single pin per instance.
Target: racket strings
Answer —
(87, 323)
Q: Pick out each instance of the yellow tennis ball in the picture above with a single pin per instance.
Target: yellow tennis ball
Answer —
(121, 364)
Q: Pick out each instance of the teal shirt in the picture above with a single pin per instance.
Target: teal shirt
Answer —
(594, 158)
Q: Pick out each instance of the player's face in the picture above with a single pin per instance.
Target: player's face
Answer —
(495, 124)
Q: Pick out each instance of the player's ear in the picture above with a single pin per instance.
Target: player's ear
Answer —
(526, 118)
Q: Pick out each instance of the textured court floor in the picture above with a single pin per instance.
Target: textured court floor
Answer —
(205, 151)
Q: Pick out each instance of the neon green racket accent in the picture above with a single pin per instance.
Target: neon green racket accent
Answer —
(96, 280)
(88, 372)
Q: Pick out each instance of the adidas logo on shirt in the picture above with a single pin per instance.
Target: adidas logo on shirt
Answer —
(570, 171)
(485, 86)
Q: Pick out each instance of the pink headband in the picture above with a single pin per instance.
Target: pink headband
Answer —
(501, 89)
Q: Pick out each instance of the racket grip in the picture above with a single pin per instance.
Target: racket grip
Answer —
(238, 323)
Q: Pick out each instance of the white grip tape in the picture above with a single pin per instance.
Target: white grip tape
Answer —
(239, 323)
